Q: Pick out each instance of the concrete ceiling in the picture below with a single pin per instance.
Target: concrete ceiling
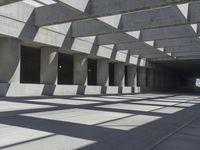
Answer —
(162, 31)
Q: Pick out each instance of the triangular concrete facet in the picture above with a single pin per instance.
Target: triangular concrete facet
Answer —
(111, 20)
(135, 34)
(151, 43)
(194, 27)
(184, 9)
(77, 4)
(161, 49)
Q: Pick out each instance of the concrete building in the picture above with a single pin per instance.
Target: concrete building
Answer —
(99, 74)
(56, 47)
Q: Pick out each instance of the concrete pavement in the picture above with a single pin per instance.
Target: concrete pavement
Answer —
(117, 122)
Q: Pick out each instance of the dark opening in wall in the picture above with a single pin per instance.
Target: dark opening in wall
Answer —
(126, 75)
(111, 74)
(65, 69)
(92, 72)
(30, 65)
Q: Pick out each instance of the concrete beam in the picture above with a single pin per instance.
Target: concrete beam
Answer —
(167, 33)
(5, 2)
(177, 42)
(132, 46)
(90, 28)
(195, 48)
(95, 27)
(152, 18)
(94, 8)
(161, 59)
(188, 58)
(154, 55)
(186, 54)
(144, 51)
(115, 38)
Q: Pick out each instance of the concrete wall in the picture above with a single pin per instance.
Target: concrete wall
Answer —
(10, 74)
(9, 60)
(21, 90)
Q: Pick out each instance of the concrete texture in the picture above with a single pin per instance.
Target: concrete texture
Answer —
(49, 66)
(120, 122)
(119, 74)
(132, 76)
(102, 72)
(142, 79)
(20, 90)
(80, 69)
(10, 60)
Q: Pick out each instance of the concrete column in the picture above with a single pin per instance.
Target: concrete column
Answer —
(132, 76)
(9, 60)
(80, 69)
(157, 79)
(151, 79)
(167, 80)
(102, 72)
(142, 78)
(119, 74)
(162, 80)
(49, 65)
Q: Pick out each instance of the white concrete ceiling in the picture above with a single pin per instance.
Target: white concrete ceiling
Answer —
(158, 30)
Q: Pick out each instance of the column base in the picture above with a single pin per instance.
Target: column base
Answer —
(25, 90)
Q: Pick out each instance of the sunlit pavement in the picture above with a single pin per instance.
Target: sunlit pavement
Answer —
(117, 122)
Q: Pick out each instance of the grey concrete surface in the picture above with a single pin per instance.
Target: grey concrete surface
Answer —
(119, 74)
(80, 69)
(10, 60)
(102, 72)
(49, 66)
(120, 122)
(132, 76)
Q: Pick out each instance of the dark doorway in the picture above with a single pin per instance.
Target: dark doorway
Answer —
(65, 69)
(111, 74)
(92, 72)
(30, 65)
(126, 75)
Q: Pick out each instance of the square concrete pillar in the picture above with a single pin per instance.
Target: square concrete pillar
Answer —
(151, 79)
(9, 60)
(49, 66)
(142, 77)
(80, 69)
(132, 76)
(102, 72)
(119, 72)
(157, 79)
(162, 84)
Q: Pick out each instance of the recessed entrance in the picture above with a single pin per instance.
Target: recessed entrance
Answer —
(30, 65)
(65, 69)
(111, 74)
(92, 72)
